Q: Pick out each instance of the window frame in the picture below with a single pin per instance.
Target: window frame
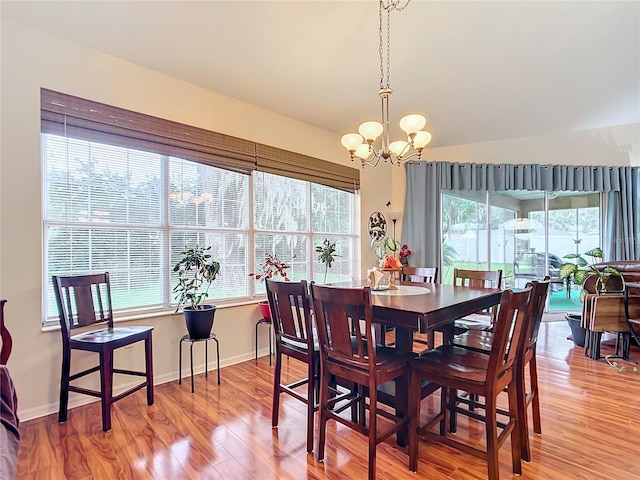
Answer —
(165, 230)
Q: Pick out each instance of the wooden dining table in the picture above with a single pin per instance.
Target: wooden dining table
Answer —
(419, 307)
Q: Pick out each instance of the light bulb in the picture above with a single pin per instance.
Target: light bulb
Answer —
(399, 147)
(350, 141)
(412, 123)
(421, 139)
(363, 151)
(370, 130)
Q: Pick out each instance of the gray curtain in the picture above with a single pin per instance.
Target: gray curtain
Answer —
(421, 228)
(622, 221)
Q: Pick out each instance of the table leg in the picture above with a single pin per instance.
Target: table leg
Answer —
(404, 343)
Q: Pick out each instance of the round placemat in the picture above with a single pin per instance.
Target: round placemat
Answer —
(403, 290)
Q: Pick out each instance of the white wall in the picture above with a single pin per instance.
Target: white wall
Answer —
(31, 60)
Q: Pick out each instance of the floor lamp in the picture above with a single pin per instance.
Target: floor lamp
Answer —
(395, 216)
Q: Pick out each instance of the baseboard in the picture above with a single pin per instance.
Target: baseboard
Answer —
(78, 400)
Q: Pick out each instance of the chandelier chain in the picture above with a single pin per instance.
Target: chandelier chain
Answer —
(361, 145)
(388, 49)
(381, 49)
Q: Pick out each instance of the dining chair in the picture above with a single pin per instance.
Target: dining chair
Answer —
(481, 341)
(420, 275)
(631, 300)
(356, 358)
(477, 278)
(455, 368)
(84, 301)
(291, 318)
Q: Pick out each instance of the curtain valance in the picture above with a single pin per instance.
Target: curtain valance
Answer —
(499, 177)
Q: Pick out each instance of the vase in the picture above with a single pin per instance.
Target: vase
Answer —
(265, 311)
(404, 261)
(578, 333)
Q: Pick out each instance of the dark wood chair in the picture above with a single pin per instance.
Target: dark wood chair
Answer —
(481, 341)
(7, 342)
(632, 309)
(477, 278)
(419, 274)
(355, 358)
(455, 368)
(85, 301)
(291, 318)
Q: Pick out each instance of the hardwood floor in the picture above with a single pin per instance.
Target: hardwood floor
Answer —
(590, 425)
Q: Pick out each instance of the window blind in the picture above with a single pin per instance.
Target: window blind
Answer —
(295, 165)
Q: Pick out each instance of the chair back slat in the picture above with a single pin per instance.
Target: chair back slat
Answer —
(290, 310)
(537, 303)
(511, 317)
(343, 318)
(83, 300)
(419, 274)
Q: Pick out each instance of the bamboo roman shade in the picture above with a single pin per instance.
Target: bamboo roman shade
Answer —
(67, 115)
(294, 165)
(71, 116)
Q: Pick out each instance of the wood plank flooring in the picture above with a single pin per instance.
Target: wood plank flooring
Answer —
(590, 424)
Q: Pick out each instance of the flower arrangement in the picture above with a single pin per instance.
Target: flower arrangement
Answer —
(272, 267)
(405, 251)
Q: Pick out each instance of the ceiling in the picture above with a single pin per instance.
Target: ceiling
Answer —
(478, 70)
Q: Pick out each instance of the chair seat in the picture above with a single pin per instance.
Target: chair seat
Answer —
(475, 321)
(478, 340)
(449, 362)
(387, 360)
(130, 334)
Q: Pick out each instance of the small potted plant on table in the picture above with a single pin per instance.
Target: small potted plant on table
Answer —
(196, 271)
(327, 255)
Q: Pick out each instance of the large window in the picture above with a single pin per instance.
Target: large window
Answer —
(131, 212)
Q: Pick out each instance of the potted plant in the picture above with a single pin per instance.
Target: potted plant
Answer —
(580, 269)
(196, 271)
(327, 255)
(272, 268)
(577, 272)
(405, 252)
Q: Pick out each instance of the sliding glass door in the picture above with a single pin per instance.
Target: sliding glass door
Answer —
(524, 233)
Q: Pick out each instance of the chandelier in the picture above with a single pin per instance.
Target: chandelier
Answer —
(361, 144)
